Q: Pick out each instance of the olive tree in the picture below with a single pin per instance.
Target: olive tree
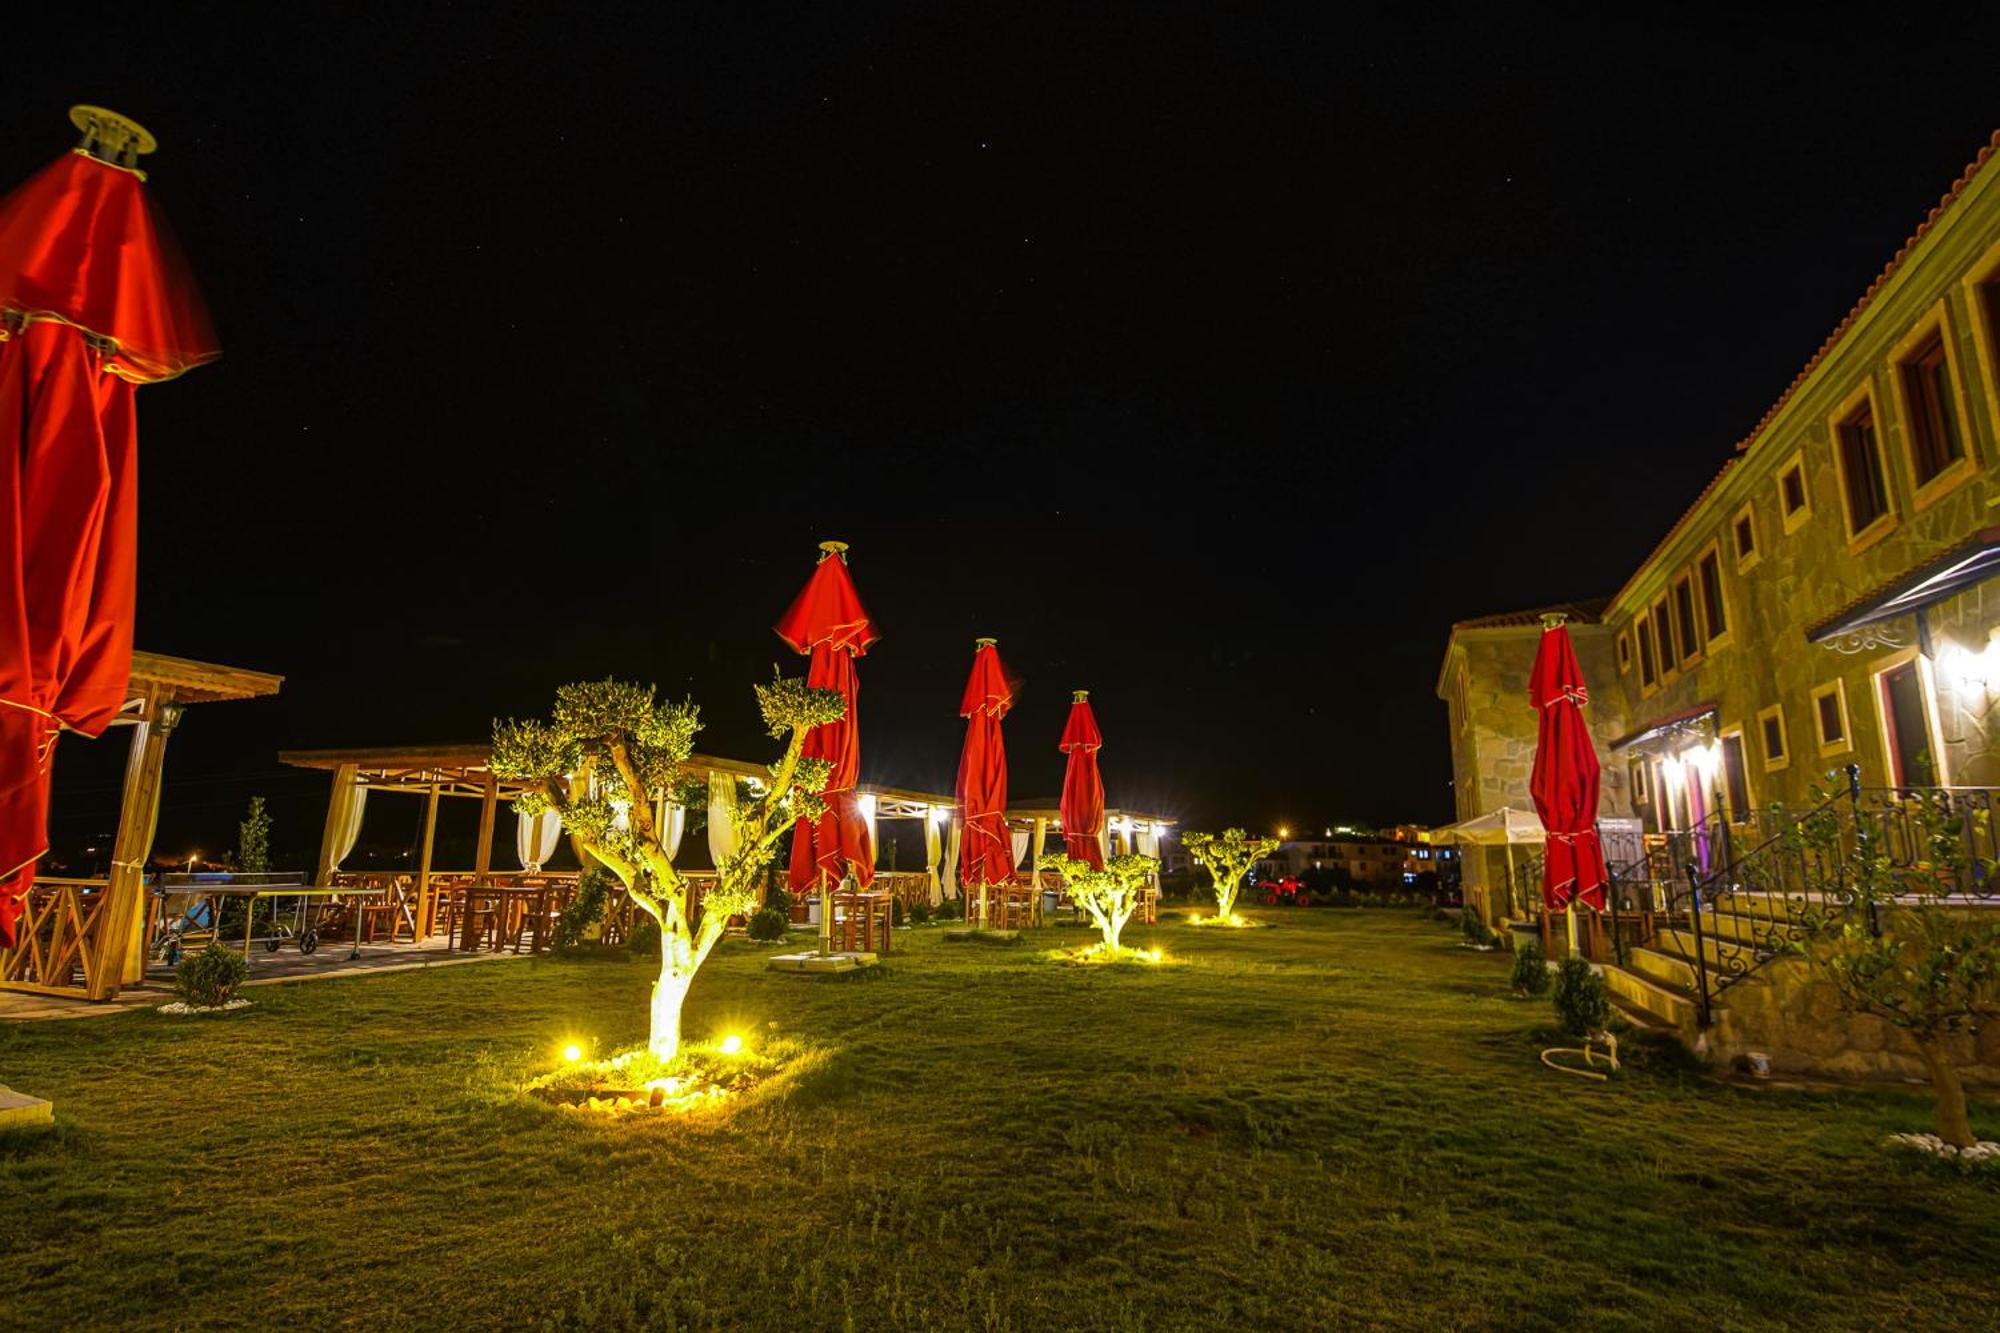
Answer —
(609, 754)
(1890, 929)
(1227, 856)
(1109, 895)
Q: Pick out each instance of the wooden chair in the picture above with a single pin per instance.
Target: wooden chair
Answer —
(864, 921)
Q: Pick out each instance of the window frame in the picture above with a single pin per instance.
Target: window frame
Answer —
(1649, 657)
(1712, 641)
(1623, 649)
(1791, 522)
(1687, 617)
(1663, 619)
(1878, 673)
(1746, 560)
(1837, 690)
(1722, 739)
(1982, 307)
(1776, 712)
(1837, 423)
(1936, 322)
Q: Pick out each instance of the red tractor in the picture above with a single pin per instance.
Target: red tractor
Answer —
(1287, 892)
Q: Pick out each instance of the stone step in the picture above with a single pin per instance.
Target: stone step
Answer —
(1663, 1004)
(1676, 973)
(1680, 944)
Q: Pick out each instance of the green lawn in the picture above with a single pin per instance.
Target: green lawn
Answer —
(1340, 1122)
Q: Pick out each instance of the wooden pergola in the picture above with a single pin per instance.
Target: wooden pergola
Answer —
(87, 937)
(437, 772)
(1124, 830)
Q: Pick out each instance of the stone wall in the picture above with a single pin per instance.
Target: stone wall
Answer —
(1786, 1013)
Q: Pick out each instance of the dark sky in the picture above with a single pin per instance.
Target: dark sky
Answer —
(1213, 363)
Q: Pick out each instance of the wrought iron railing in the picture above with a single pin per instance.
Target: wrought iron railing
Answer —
(1740, 911)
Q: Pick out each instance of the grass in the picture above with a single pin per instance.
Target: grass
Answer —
(1336, 1123)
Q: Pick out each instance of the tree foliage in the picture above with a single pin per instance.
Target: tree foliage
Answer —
(611, 754)
(1109, 895)
(253, 838)
(1227, 856)
(1889, 927)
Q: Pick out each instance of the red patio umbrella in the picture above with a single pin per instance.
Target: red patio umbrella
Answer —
(94, 300)
(1565, 781)
(828, 621)
(985, 849)
(1083, 788)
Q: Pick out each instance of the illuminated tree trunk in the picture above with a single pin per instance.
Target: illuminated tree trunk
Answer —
(1954, 1124)
(1225, 894)
(669, 992)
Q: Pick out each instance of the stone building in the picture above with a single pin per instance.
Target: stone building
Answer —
(1824, 601)
(1484, 685)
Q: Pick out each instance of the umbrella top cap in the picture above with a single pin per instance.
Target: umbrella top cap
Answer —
(110, 137)
(1554, 619)
(1078, 696)
(833, 548)
(984, 643)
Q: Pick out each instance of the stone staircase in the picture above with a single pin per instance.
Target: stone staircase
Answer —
(1658, 985)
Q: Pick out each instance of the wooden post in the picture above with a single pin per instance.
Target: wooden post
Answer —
(426, 900)
(119, 951)
(1035, 873)
(482, 856)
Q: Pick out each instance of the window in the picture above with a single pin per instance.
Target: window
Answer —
(1771, 730)
(1982, 293)
(1624, 652)
(1927, 388)
(1909, 734)
(1637, 768)
(1708, 578)
(1829, 710)
(1794, 500)
(1663, 635)
(1649, 665)
(1735, 777)
(1684, 621)
(1858, 455)
(1743, 536)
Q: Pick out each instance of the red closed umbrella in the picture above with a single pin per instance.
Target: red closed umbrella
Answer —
(827, 621)
(94, 300)
(985, 849)
(1083, 787)
(1565, 781)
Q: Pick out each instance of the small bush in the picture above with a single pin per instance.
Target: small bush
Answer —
(1531, 970)
(584, 911)
(1582, 1004)
(896, 913)
(769, 924)
(777, 900)
(920, 913)
(209, 979)
(951, 909)
(1474, 928)
(644, 941)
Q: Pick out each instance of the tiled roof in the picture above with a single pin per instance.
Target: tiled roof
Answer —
(1579, 613)
(1950, 196)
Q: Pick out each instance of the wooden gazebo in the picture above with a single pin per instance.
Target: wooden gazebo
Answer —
(87, 937)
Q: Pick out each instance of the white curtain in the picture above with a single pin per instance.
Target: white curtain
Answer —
(1149, 841)
(670, 819)
(343, 819)
(1019, 837)
(1104, 841)
(535, 839)
(867, 804)
(951, 860)
(721, 817)
(933, 848)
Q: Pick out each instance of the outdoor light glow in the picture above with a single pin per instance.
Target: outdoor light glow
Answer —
(731, 1045)
(1284, 831)
(1972, 672)
(1705, 758)
(572, 1053)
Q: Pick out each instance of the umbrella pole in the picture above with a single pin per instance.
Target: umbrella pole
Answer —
(1571, 909)
(825, 915)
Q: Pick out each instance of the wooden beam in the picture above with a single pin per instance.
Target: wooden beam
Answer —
(482, 856)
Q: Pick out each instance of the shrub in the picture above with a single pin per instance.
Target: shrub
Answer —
(209, 979)
(920, 913)
(1474, 928)
(584, 911)
(644, 941)
(1582, 1005)
(777, 900)
(769, 924)
(896, 914)
(951, 909)
(1531, 970)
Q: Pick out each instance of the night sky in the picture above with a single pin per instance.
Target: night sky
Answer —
(1211, 363)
